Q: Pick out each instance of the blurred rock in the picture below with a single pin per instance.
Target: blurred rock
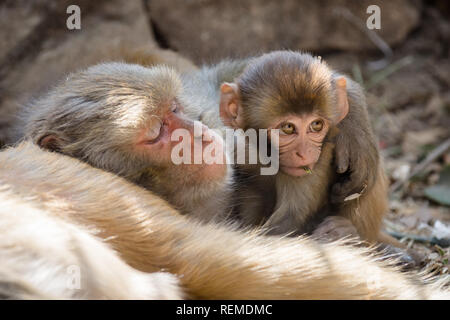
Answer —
(411, 85)
(17, 21)
(414, 141)
(433, 35)
(35, 57)
(214, 29)
(441, 230)
(442, 71)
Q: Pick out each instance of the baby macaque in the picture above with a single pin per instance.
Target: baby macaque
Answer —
(327, 150)
(305, 101)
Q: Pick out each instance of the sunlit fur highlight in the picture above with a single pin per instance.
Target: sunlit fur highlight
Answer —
(211, 261)
(38, 250)
(283, 82)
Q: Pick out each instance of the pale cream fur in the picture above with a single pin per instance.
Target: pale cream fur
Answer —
(211, 261)
(44, 257)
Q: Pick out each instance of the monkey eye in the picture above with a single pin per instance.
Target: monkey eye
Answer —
(287, 128)
(316, 126)
(154, 130)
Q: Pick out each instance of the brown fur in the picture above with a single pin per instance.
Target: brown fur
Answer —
(280, 83)
(211, 261)
(285, 83)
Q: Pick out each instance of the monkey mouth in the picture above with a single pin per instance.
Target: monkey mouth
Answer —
(307, 169)
(296, 171)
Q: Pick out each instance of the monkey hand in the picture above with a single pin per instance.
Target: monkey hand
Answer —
(335, 228)
(357, 161)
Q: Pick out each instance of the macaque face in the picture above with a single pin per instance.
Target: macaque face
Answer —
(157, 140)
(308, 113)
(300, 142)
(124, 119)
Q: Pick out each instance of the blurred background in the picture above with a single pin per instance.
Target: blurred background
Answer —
(404, 68)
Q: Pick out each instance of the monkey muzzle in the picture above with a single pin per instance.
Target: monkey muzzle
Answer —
(296, 171)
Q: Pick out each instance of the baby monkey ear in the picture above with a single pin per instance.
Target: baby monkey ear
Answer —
(230, 105)
(342, 106)
(50, 142)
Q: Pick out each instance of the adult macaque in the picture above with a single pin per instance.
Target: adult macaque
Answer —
(212, 262)
(124, 119)
(319, 114)
(353, 159)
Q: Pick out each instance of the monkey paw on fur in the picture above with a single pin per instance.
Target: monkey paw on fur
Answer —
(334, 228)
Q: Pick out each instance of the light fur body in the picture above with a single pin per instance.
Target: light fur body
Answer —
(211, 261)
(45, 256)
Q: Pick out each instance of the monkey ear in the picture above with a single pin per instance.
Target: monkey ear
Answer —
(230, 105)
(342, 99)
(50, 142)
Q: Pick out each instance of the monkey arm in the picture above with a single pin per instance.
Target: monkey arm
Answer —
(356, 152)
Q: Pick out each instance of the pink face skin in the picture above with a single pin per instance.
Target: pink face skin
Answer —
(155, 141)
(300, 142)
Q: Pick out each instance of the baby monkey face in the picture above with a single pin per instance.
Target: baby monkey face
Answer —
(300, 142)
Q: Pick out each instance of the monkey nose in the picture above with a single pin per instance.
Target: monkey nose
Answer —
(298, 154)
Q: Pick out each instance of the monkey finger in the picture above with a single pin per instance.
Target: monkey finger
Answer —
(334, 228)
(342, 156)
(342, 161)
(343, 190)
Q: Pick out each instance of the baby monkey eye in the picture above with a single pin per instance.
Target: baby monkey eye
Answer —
(287, 128)
(316, 126)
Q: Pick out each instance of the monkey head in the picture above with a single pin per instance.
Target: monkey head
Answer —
(122, 118)
(293, 92)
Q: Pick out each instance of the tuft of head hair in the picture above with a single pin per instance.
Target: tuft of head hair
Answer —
(100, 109)
(285, 82)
